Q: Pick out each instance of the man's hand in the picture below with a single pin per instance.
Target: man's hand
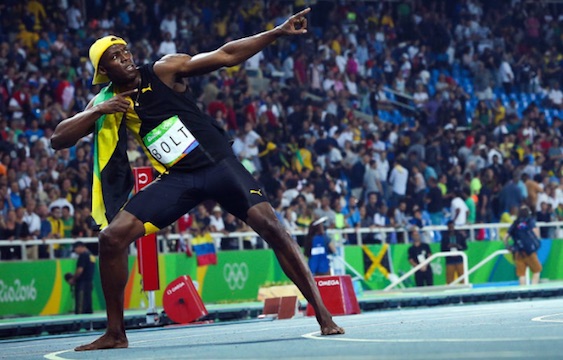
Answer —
(117, 104)
(295, 25)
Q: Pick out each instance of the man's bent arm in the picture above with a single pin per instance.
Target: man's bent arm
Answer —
(70, 130)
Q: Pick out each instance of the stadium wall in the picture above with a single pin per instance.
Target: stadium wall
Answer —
(38, 288)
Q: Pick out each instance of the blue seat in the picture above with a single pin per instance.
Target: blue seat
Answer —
(431, 89)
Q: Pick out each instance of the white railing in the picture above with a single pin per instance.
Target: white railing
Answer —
(466, 274)
(240, 236)
(427, 262)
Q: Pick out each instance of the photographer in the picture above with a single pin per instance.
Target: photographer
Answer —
(525, 236)
(82, 279)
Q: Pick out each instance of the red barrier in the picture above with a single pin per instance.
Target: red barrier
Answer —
(338, 295)
(147, 249)
(181, 302)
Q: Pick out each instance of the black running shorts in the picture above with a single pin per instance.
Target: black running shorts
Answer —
(175, 193)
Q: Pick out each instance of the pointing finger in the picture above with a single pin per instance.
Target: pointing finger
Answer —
(303, 12)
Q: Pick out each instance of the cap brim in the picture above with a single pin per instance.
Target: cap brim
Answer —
(99, 79)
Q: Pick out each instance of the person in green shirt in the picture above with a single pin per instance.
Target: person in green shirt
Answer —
(443, 184)
(471, 216)
(476, 184)
(68, 222)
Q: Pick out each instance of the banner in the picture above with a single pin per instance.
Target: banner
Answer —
(35, 288)
(38, 287)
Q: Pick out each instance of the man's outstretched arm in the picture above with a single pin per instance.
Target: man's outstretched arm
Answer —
(230, 54)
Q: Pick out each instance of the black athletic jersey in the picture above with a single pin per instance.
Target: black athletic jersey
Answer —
(173, 129)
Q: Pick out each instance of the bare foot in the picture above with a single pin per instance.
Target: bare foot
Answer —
(331, 329)
(106, 341)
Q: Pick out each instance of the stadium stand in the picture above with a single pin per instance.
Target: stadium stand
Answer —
(417, 102)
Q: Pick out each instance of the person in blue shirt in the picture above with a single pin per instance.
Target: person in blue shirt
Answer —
(318, 246)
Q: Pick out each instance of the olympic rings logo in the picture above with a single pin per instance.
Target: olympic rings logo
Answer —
(235, 275)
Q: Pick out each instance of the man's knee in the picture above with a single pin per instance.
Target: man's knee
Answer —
(122, 230)
(108, 240)
(116, 237)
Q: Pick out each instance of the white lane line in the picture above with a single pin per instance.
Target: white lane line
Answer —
(544, 318)
(55, 355)
(459, 356)
(316, 336)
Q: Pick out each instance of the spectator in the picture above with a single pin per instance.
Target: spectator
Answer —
(506, 75)
(459, 209)
(232, 224)
(216, 223)
(418, 253)
(398, 183)
(434, 202)
(381, 220)
(555, 96)
(453, 240)
(372, 205)
(471, 206)
(57, 228)
(545, 215)
(167, 45)
(14, 229)
(33, 222)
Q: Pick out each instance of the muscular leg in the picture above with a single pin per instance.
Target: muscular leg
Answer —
(263, 220)
(114, 241)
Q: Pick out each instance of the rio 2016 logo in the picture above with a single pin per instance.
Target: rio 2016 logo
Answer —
(235, 275)
(17, 292)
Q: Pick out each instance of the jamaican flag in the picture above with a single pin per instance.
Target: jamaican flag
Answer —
(376, 261)
(113, 180)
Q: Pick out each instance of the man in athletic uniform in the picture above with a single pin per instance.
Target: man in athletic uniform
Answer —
(191, 152)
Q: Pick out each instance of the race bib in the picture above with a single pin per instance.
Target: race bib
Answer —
(170, 141)
(318, 250)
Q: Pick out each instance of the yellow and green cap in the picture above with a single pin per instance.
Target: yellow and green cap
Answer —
(97, 50)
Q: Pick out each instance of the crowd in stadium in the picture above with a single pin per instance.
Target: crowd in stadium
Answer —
(387, 114)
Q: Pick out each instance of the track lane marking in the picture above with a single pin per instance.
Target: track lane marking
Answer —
(543, 318)
(316, 336)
